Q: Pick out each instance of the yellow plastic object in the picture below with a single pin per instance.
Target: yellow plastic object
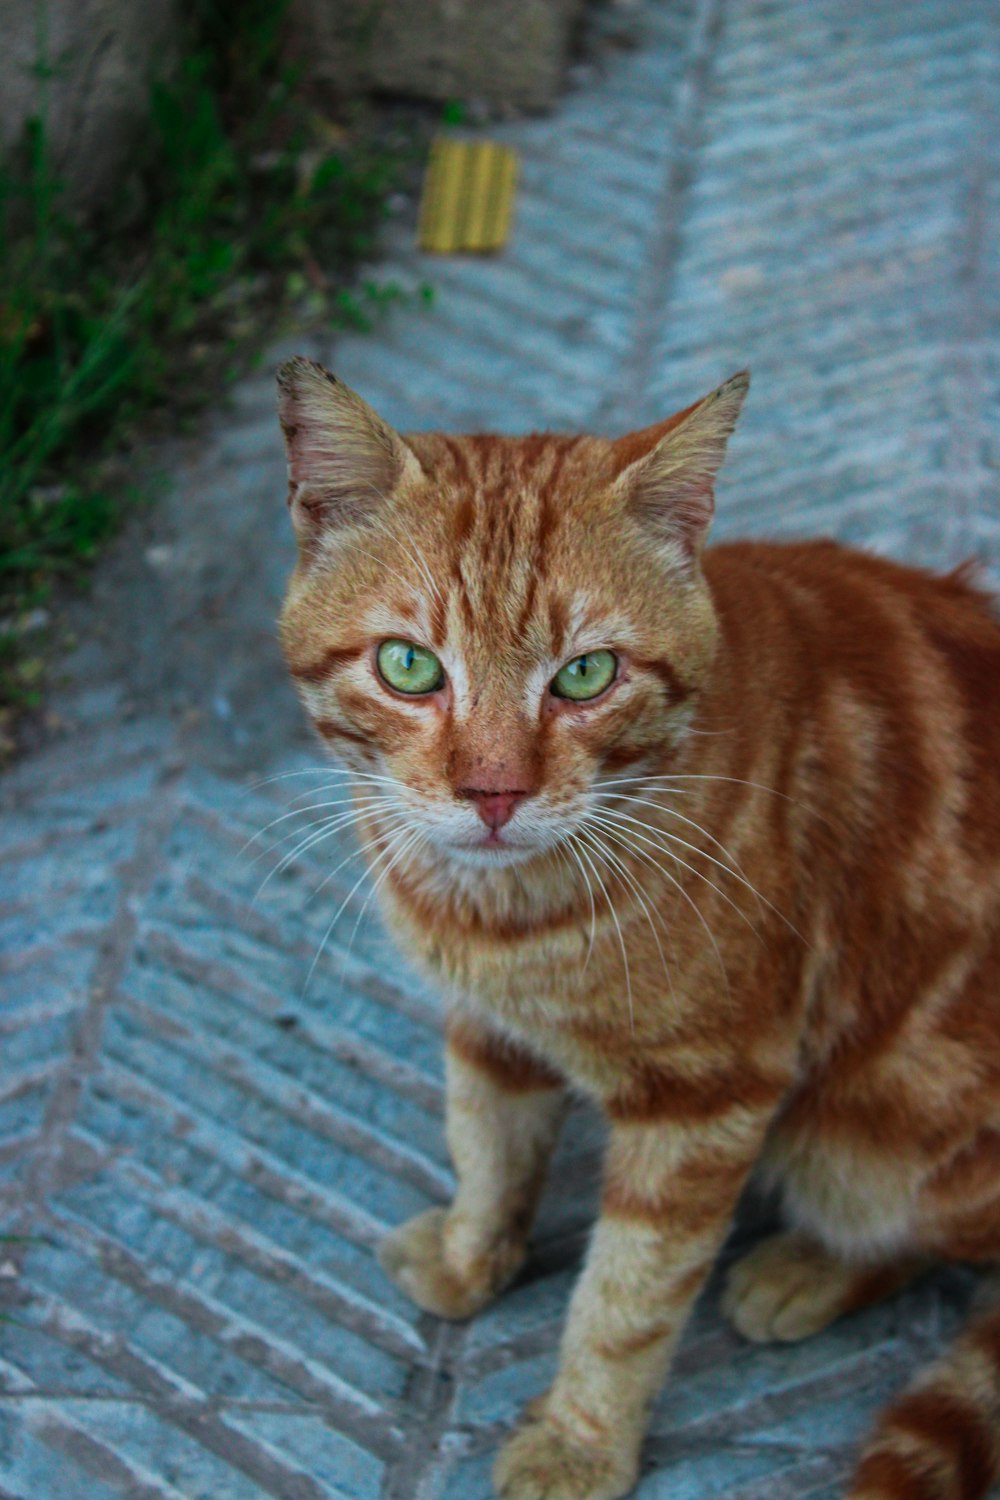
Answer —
(468, 197)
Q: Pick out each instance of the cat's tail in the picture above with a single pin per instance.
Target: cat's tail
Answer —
(940, 1440)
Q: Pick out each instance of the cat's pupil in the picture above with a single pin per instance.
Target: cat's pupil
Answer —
(409, 658)
(583, 666)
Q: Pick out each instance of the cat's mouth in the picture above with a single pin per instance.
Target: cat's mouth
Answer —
(493, 849)
(490, 838)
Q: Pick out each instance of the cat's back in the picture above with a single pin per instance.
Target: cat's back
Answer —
(848, 587)
(843, 610)
(881, 678)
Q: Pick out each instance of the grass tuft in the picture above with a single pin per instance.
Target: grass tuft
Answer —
(247, 207)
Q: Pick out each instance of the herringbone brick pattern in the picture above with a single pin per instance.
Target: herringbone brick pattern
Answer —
(203, 1139)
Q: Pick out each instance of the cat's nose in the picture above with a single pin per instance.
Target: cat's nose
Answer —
(495, 808)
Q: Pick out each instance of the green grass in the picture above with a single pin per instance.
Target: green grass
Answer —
(18, 1239)
(250, 208)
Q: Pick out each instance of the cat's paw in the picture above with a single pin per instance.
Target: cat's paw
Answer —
(784, 1290)
(543, 1463)
(416, 1257)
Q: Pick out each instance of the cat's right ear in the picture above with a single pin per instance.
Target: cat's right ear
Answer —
(343, 460)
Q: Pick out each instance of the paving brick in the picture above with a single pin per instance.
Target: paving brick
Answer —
(207, 1133)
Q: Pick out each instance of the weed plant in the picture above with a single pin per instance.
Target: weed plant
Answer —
(247, 204)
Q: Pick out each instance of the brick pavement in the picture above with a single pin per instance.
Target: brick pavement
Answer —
(203, 1146)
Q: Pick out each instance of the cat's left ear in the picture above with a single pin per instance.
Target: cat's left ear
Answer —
(344, 461)
(666, 473)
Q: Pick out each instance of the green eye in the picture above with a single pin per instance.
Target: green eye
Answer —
(409, 668)
(585, 676)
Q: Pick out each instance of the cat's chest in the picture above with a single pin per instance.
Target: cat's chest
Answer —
(520, 979)
(561, 992)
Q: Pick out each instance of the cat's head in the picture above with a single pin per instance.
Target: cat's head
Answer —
(496, 625)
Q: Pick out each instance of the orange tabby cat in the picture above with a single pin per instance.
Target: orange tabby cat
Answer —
(714, 839)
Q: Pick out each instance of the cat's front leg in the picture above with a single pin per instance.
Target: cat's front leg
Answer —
(671, 1185)
(504, 1108)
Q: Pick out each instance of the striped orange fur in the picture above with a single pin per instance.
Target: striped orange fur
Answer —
(746, 894)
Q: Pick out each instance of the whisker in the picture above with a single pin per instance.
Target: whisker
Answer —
(324, 770)
(686, 895)
(363, 777)
(299, 804)
(381, 834)
(673, 813)
(340, 909)
(343, 772)
(332, 825)
(368, 777)
(692, 823)
(301, 831)
(619, 819)
(736, 780)
(618, 927)
(638, 780)
(326, 828)
(567, 845)
(640, 893)
(407, 847)
(298, 812)
(253, 786)
(676, 839)
(699, 776)
(357, 805)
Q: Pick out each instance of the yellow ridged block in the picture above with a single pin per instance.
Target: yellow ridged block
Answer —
(468, 197)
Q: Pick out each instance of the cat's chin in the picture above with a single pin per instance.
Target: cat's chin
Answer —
(490, 856)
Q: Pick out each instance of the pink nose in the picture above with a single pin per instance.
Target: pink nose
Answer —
(495, 808)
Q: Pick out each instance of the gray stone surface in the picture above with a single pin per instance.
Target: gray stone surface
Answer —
(203, 1139)
(85, 67)
(507, 54)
